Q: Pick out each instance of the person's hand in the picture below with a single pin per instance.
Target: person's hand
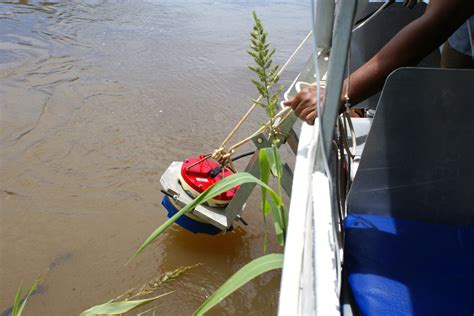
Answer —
(304, 103)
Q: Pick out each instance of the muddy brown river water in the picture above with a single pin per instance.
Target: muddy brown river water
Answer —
(97, 98)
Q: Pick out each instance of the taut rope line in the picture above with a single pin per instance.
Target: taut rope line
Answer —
(252, 107)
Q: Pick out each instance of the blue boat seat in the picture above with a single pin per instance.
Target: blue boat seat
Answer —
(404, 267)
(409, 235)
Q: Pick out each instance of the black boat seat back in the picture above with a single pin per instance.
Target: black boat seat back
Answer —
(418, 160)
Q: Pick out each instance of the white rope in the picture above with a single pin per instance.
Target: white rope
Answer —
(318, 90)
(252, 107)
(386, 4)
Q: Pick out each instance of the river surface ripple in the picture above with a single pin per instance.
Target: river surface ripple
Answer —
(97, 98)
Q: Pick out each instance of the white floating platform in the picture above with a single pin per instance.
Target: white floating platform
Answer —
(213, 215)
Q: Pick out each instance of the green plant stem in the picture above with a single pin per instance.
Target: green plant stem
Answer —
(281, 208)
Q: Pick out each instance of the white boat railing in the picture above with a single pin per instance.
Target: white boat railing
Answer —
(311, 280)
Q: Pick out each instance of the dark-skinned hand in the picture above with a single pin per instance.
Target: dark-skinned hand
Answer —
(304, 103)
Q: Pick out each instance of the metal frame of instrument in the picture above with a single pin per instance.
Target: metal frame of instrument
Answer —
(223, 218)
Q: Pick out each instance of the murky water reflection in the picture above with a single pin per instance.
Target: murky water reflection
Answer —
(96, 99)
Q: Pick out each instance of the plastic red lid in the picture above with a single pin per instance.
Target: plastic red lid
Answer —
(198, 177)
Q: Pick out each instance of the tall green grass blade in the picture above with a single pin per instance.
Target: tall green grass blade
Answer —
(282, 212)
(32, 289)
(244, 275)
(269, 159)
(277, 221)
(278, 164)
(269, 154)
(117, 308)
(214, 190)
(280, 235)
(17, 301)
(18, 305)
(264, 176)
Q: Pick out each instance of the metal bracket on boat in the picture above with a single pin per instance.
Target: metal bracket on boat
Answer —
(223, 218)
(237, 204)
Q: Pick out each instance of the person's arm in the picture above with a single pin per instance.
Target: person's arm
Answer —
(415, 41)
(409, 46)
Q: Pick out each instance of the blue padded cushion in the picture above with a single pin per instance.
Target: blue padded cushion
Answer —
(402, 267)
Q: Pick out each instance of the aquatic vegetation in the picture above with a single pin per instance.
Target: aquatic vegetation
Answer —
(19, 303)
(119, 305)
(245, 274)
(270, 162)
(153, 285)
(266, 72)
(117, 308)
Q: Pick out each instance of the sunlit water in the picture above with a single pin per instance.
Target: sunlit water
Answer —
(97, 98)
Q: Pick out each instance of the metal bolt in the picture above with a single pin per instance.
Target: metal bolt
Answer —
(259, 140)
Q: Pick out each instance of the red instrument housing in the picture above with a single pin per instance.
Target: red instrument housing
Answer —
(199, 178)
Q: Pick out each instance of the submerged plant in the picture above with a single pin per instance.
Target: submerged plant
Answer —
(119, 305)
(264, 68)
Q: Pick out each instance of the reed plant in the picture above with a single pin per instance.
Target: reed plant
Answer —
(266, 71)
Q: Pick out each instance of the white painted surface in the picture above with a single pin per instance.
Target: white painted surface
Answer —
(309, 283)
(326, 264)
(298, 232)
